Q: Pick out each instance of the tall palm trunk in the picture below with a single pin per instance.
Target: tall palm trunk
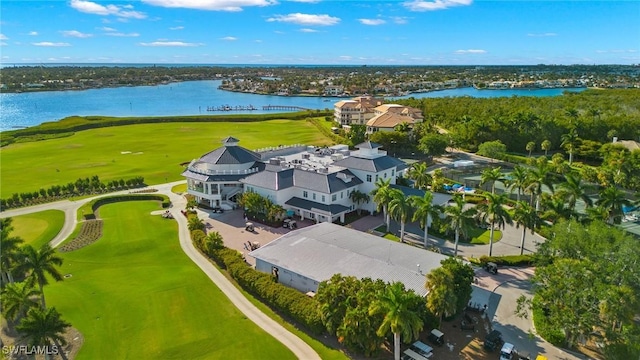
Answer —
(385, 212)
(491, 239)
(524, 233)
(426, 233)
(396, 346)
(455, 249)
(402, 231)
(44, 306)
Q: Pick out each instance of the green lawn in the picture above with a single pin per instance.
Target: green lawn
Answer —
(135, 294)
(38, 228)
(481, 236)
(156, 151)
(179, 189)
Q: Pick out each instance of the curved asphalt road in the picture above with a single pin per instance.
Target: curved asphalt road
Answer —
(301, 349)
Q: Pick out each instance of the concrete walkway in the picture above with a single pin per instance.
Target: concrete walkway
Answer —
(301, 349)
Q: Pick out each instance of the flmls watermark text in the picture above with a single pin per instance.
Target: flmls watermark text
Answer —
(30, 350)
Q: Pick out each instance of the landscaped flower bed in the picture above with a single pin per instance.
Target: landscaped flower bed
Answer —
(90, 232)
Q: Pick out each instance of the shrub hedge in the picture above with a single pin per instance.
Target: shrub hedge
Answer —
(288, 301)
(95, 204)
(545, 330)
(507, 260)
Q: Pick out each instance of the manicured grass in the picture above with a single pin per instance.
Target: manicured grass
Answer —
(481, 236)
(391, 237)
(179, 189)
(156, 151)
(38, 228)
(135, 294)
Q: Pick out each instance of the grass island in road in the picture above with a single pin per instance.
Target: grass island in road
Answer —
(135, 294)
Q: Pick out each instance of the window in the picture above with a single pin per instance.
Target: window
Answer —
(322, 198)
(305, 194)
(368, 178)
(341, 194)
(334, 197)
(392, 172)
(385, 174)
(376, 177)
(314, 196)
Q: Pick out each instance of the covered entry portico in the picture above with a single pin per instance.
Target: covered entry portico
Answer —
(319, 212)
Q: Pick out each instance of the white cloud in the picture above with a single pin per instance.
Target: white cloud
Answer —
(306, 1)
(309, 30)
(33, 33)
(50, 44)
(306, 19)
(108, 29)
(216, 5)
(471, 51)
(422, 5)
(170, 44)
(372, 22)
(399, 19)
(2, 43)
(229, 38)
(345, 57)
(75, 33)
(119, 34)
(90, 7)
(176, 28)
(549, 34)
(3, 37)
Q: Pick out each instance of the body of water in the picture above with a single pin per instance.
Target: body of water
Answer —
(183, 98)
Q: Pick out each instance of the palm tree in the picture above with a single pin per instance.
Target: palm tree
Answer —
(400, 209)
(195, 223)
(573, 189)
(17, 298)
(613, 199)
(425, 208)
(38, 263)
(556, 208)
(213, 241)
(358, 197)
(441, 296)
(382, 197)
(395, 303)
(10, 250)
(44, 327)
(546, 146)
(525, 215)
(570, 143)
(530, 147)
(460, 218)
(518, 179)
(573, 115)
(437, 180)
(538, 177)
(491, 175)
(418, 173)
(495, 213)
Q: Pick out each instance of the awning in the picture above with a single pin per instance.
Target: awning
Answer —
(331, 210)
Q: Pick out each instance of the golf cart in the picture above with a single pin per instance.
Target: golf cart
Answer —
(437, 337)
(507, 352)
(218, 209)
(491, 267)
(289, 224)
(249, 227)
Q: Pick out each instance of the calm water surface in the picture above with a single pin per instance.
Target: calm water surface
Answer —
(184, 98)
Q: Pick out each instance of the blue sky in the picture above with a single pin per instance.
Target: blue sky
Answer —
(411, 32)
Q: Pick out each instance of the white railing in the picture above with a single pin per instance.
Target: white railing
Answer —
(224, 172)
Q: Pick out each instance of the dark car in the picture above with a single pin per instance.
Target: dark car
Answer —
(218, 209)
(493, 340)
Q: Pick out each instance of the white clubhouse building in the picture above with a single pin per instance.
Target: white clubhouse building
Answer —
(315, 183)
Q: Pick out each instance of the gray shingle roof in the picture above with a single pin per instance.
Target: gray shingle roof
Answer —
(322, 250)
(368, 145)
(333, 209)
(221, 177)
(273, 180)
(371, 165)
(230, 155)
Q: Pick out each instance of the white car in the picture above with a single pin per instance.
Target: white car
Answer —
(507, 352)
